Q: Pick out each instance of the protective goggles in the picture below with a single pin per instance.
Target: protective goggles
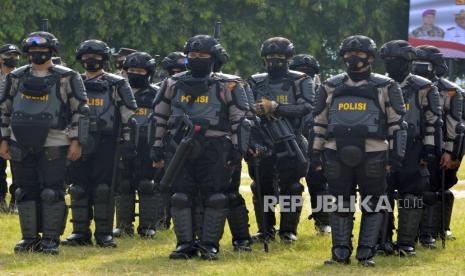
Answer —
(36, 40)
(182, 61)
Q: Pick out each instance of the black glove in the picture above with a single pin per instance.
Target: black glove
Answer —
(234, 156)
(315, 159)
(128, 151)
(428, 154)
(157, 153)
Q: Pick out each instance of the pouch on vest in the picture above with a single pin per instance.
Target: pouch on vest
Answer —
(350, 143)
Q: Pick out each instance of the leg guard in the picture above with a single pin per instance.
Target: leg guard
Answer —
(80, 210)
(181, 209)
(238, 218)
(410, 213)
(369, 231)
(449, 205)
(430, 221)
(28, 211)
(160, 209)
(342, 224)
(125, 210)
(269, 216)
(54, 213)
(103, 211)
(290, 218)
(147, 208)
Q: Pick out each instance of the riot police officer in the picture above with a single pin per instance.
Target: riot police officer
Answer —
(119, 58)
(430, 64)
(423, 118)
(316, 181)
(216, 105)
(283, 97)
(92, 177)
(174, 63)
(138, 173)
(9, 58)
(358, 119)
(41, 105)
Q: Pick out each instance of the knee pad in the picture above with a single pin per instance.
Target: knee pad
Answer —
(181, 200)
(102, 193)
(371, 205)
(410, 201)
(146, 187)
(49, 196)
(235, 200)
(217, 201)
(19, 194)
(295, 188)
(77, 192)
(430, 198)
(125, 186)
(448, 196)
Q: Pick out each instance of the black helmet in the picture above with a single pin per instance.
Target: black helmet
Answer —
(397, 49)
(124, 52)
(206, 44)
(359, 43)
(40, 39)
(9, 48)
(432, 54)
(305, 61)
(140, 60)
(277, 45)
(93, 46)
(173, 60)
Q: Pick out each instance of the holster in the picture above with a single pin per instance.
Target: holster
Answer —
(350, 143)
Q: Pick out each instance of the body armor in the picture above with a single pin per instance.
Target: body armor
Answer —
(414, 115)
(145, 101)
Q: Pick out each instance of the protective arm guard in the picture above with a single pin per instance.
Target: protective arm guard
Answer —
(126, 95)
(293, 110)
(84, 125)
(399, 144)
(438, 137)
(5, 108)
(77, 87)
(396, 98)
(458, 148)
(244, 131)
(434, 103)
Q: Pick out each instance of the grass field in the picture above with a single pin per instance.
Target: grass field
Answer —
(150, 257)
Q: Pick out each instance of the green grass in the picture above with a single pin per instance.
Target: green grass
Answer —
(141, 257)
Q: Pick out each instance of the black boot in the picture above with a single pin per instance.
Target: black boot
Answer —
(270, 221)
(321, 222)
(341, 234)
(428, 225)
(181, 210)
(125, 209)
(410, 213)
(213, 226)
(103, 216)
(369, 231)
(28, 213)
(81, 235)
(288, 226)
(54, 214)
(449, 205)
(147, 209)
(238, 220)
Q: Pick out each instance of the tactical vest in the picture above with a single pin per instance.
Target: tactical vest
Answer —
(145, 101)
(414, 115)
(207, 107)
(103, 111)
(37, 107)
(357, 106)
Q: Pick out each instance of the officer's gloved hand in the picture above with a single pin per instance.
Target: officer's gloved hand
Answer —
(265, 107)
(234, 156)
(128, 150)
(428, 154)
(157, 154)
(316, 162)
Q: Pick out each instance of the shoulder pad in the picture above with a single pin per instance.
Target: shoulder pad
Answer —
(447, 84)
(296, 75)
(112, 78)
(336, 80)
(257, 78)
(227, 77)
(379, 80)
(61, 70)
(419, 81)
(20, 71)
(180, 75)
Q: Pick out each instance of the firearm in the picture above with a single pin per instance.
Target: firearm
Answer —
(262, 222)
(185, 130)
(44, 25)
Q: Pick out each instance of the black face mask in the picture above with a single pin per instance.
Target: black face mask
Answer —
(40, 57)
(92, 64)
(355, 63)
(277, 67)
(138, 80)
(424, 69)
(200, 67)
(397, 68)
(119, 64)
(10, 62)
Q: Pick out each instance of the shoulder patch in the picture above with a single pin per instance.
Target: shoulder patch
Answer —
(336, 80)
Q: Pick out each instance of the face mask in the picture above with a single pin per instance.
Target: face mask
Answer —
(40, 57)
(397, 68)
(119, 64)
(10, 62)
(200, 67)
(424, 69)
(355, 63)
(137, 80)
(92, 64)
(276, 67)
